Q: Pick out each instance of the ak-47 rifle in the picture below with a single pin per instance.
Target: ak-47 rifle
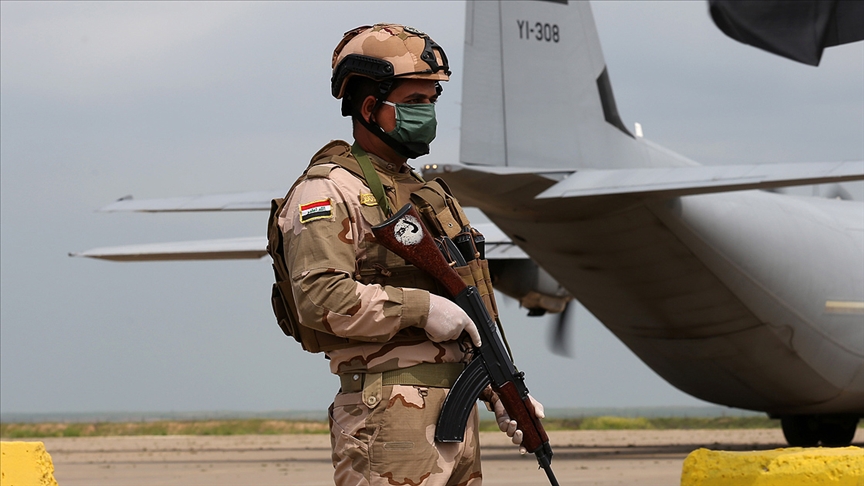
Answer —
(405, 235)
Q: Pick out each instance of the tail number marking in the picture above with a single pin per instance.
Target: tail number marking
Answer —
(538, 31)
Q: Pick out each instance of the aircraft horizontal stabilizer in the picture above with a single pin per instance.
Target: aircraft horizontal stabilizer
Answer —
(241, 201)
(478, 186)
(498, 247)
(667, 182)
(223, 249)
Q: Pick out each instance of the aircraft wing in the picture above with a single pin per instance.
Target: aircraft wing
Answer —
(498, 247)
(661, 182)
(240, 201)
(222, 249)
(681, 181)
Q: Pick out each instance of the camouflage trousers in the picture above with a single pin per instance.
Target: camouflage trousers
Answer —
(393, 443)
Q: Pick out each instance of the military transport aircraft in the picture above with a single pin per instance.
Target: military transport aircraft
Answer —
(732, 292)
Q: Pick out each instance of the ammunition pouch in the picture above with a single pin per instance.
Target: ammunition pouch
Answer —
(476, 273)
(443, 216)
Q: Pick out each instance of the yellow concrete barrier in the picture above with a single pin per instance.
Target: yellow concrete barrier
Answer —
(25, 464)
(795, 466)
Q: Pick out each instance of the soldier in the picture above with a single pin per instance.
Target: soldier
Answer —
(395, 343)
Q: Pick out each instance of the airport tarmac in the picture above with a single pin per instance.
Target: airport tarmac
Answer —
(614, 457)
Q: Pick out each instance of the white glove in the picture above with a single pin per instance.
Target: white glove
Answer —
(447, 320)
(509, 426)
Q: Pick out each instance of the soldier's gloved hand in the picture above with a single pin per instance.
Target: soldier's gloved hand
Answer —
(447, 320)
(508, 425)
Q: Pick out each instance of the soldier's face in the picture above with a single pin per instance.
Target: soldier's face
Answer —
(408, 91)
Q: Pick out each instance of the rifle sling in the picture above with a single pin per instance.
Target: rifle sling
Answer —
(372, 178)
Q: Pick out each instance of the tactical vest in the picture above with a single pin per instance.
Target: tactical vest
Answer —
(442, 215)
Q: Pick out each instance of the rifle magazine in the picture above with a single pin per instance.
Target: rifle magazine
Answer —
(460, 401)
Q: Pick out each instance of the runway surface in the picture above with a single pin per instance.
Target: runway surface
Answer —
(641, 457)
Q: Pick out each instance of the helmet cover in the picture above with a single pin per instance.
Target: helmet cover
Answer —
(384, 51)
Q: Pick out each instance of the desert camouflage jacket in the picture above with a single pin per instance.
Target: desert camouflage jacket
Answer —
(340, 275)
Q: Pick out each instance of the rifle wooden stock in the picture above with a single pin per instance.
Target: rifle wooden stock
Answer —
(424, 254)
(405, 235)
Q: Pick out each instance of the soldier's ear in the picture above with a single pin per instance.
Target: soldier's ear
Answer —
(367, 107)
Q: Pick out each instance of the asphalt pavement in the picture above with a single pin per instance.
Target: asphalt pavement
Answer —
(615, 457)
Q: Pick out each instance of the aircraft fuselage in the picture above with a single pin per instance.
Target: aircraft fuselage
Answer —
(743, 299)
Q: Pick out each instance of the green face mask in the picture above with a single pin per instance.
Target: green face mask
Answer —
(415, 123)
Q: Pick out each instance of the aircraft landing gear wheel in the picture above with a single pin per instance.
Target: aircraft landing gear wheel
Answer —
(809, 430)
(837, 431)
(800, 430)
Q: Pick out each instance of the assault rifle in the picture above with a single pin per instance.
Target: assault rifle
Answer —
(405, 235)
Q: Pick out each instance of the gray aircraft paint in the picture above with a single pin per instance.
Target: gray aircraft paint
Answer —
(521, 95)
(723, 295)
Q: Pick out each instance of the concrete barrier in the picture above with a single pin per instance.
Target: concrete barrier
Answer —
(795, 466)
(25, 464)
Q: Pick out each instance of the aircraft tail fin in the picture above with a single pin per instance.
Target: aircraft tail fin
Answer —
(536, 91)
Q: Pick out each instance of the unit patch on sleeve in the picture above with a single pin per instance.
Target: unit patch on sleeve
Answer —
(315, 210)
(368, 200)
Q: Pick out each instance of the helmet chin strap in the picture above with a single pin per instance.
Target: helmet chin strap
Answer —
(411, 150)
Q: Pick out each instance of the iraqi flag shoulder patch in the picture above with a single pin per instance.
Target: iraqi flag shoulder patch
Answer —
(315, 210)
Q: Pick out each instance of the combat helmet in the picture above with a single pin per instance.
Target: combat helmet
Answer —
(386, 53)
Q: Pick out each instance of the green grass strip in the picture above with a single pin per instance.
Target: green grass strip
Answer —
(277, 427)
(165, 427)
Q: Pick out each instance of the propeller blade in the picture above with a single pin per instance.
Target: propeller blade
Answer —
(559, 340)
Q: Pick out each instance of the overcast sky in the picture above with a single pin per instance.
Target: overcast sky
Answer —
(101, 100)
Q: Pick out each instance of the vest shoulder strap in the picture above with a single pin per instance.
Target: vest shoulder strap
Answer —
(332, 149)
(338, 153)
(319, 171)
(349, 164)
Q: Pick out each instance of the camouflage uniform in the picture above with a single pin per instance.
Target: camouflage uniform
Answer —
(339, 276)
